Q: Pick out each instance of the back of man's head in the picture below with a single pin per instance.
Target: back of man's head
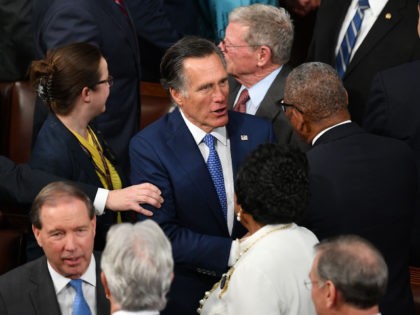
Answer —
(356, 269)
(317, 90)
(138, 266)
(268, 25)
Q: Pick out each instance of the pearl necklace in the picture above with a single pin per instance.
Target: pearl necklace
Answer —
(224, 281)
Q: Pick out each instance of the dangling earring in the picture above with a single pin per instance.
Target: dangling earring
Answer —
(238, 216)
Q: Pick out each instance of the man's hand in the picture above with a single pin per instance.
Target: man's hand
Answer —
(131, 197)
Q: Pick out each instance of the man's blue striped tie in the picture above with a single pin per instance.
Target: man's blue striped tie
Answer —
(215, 168)
(346, 47)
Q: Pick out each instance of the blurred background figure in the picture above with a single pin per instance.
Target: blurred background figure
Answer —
(275, 257)
(385, 36)
(137, 268)
(348, 276)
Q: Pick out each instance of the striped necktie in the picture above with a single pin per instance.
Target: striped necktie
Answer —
(346, 47)
(215, 168)
(240, 105)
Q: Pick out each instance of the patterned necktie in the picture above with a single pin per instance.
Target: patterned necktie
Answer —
(240, 105)
(346, 47)
(216, 172)
(121, 6)
(80, 306)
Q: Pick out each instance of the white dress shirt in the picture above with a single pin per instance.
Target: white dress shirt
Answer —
(258, 91)
(370, 16)
(326, 129)
(66, 293)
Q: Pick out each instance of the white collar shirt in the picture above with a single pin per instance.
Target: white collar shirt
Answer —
(326, 129)
(65, 293)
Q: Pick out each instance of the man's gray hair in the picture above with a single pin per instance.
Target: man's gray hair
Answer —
(138, 265)
(268, 25)
(316, 89)
(356, 268)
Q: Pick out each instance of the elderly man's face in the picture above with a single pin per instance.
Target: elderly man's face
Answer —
(67, 236)
(204, 101)
(241, 59)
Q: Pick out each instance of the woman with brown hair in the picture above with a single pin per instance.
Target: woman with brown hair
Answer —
(73, 81)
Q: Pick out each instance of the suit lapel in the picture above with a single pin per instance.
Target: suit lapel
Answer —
(102, 303)
(43, 295)
(379, 30)
(234, 87)
(189, 157)
(338, 9)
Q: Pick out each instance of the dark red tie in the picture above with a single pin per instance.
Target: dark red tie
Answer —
(240, 105)
(121, 6)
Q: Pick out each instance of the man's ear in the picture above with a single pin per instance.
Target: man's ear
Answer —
(331, 294)
(177, 96)
(263, 56)
(105, 284)
(37, 233)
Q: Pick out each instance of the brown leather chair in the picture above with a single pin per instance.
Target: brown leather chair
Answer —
(415, 287)
(155, 103)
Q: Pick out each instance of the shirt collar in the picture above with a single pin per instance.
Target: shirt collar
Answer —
(60, 282)
(198, 134)
(325, 130)
(258, 91)
(375, 6)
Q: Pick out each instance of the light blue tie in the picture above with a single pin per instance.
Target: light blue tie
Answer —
(80, 306)
(216, 172)
(346, 47)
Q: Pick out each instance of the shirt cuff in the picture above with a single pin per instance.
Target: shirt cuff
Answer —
(234, 252)
(100, 200)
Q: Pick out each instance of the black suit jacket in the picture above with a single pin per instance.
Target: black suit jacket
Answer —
(20, 183)
(29, 289)
(270, 109)
(366, 185)
(391, 41)
(393, 110)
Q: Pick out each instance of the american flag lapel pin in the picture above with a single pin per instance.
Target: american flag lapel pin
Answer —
(244, 137)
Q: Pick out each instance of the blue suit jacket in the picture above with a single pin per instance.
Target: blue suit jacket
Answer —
(366, 185)
(166, 155)
(99, 22)
(57, 151)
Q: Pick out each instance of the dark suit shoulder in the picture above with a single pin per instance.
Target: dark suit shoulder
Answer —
(20, 275)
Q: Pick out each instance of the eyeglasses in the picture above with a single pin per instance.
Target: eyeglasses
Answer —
(285, 105)
(309, 283)
(109, 80)
(225, 47)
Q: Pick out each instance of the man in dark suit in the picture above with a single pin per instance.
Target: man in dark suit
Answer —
(360, 183)
(20, 184)
(387, 38)
(108, 26)
(63, 221)
(256, 54)
(393, 111)
(197, 214)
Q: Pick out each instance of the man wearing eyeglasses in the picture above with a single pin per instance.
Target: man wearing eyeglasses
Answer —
(257, 47)
(348, 276)
(360, 183)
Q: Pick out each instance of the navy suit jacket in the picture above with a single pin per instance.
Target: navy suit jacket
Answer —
(166, 155)
(393, 110)
(391, 41)
(366, 185)
(99, 22)
(57, 151)
(271, 110)
(29, 289)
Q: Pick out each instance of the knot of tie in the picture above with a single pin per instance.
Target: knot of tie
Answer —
(80, 306)
(364, 4)
(240, 105)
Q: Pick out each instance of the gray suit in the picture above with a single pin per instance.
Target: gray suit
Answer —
(271, 110)
(29, 289)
